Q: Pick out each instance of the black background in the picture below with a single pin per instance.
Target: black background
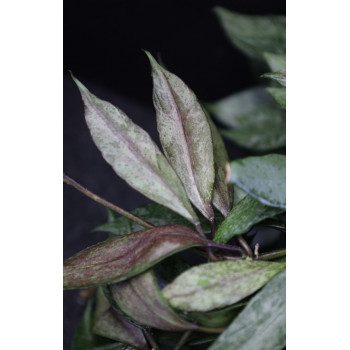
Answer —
(103, 42)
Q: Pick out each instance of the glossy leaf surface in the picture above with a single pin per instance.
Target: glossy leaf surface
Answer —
(185, 136)
(252, 34)
(264, 178)
(215, 285)
(140, 299)
(279, 76)
(279, 94)
(133, 155)
(262, 324)
(242, 217)
(122, 257)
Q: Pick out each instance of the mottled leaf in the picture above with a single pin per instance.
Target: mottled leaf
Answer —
(133, 155)
(275, 62)
(242, 217)
(122, 257)
(108, 323)
(279, 94)
(262, 324)
(252, 34)
(264, 178)
(222, 193)
(139, 298)
(185, 136)
(215, 285)
(279, 76)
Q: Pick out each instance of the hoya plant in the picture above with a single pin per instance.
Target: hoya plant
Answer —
(179, 272)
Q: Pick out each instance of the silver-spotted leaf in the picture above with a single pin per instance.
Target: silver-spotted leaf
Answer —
(262, 324)
(140, 299)
(124, 256)
(264, 178)
(279, 76)
(215, 285)
(185, 136)
(133, 155)
(252, 34)
(242, 217)
(279, 94)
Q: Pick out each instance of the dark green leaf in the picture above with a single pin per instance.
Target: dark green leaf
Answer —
(133, 155)
(279, 94)
(185, 136)
(238, 194)
(215, 285)
(119, 258)
(275, 62)
(279, 76)
(139, 298)
(262, 324)
(242, 217)
(264, 178)
(252, 34)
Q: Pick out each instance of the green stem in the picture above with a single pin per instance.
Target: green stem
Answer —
(183, 340)
(151, 339)
(272, 255)
(105, 203)
(243, 243)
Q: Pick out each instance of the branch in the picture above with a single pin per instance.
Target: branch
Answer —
(272, 255)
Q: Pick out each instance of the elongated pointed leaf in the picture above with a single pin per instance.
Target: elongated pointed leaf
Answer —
(279, 76)
(111, 325)
(140, 298)
(264, 178)
(275, 62)
(185, 136)
(279, 94)
(215, 285)
(242, 217)
(222, 194)
(122, 257)
(254, 35)
(262, 324)
(133, 155)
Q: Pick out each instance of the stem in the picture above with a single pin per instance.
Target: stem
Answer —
(210, 330)
(211, 255)
(231, 248)
(213, 228)
(105, 203)
(243, 243)
(183, 340)
(151, 339)
(272, 255)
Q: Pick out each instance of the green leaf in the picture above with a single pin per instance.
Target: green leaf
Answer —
(262, 324)
(242, 217)
(119, 258)
(279, 94)
(279, 76)
(111, 325)
(238, 195)
(263, 178)
(185, 136)
(140, 299)
(222, 194)
(275, 62)
(254, 35)
(215, 285)
(133, 155)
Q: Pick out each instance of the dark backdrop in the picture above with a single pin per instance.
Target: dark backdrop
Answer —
(103, 42)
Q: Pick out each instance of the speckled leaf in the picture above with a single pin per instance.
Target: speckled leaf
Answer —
(279, 94)
(279, 76)
(133, 155)
(215, 285)
(275, 62)
(264, 178)
(262, 324)
(139, 298)
(122, 257)
(185, 136)
(242, 217)
(108, 323)
(222, 193)
(252, 34)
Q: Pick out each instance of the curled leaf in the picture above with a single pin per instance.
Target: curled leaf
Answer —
(215, 285)
(133, 155)
(124, 256)
(185, 136)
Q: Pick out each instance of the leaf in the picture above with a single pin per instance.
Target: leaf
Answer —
(254, 35)
(262, 324)
(119, 258)
(140, 299)
(215, 285)
(242, 217)
(279, 76)
(275, 62)
(133, 155)
(238, 194)
(279, 94)
(263, 178)
(111, 325)
(185, 136)
(222, 193)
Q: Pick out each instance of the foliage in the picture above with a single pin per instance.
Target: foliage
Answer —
(146, 293)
